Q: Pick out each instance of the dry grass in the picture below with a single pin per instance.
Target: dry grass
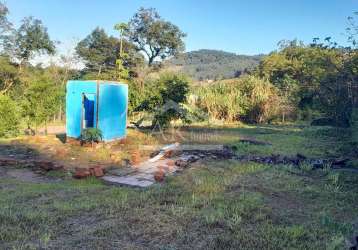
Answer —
(53, 148)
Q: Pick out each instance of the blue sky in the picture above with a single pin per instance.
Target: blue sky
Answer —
(241, 26)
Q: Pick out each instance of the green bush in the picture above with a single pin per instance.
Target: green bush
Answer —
(135, 96)
(91, 135)
(41, 101)
(10, 117)
(164, 97)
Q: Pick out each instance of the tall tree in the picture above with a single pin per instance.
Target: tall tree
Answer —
(30, 38)
(122, 71)
(5, 25)
(154, 36)
(8, 74)
(121, 27)
(41, 101)
(100, 52)
(352, 30)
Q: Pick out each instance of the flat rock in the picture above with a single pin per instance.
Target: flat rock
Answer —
(144, 176)
(126, 180)
(149, 170)
(121, 171)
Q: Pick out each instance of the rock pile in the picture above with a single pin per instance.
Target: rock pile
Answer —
(190, 156)
(294, 160)
(81, 173)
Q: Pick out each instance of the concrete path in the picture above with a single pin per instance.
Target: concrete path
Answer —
(142, 175)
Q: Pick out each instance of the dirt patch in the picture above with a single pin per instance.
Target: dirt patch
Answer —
(83, 230)
(26, 175)
(285, 206)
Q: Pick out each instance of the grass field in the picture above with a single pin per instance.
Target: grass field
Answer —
(212, 205)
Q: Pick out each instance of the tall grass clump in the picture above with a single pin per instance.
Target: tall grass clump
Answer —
(248, 98)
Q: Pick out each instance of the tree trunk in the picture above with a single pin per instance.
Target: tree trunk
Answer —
(46, 127)
(121, 48)
(99, 71)
(150, 61)
(283, 117)
(59, 116)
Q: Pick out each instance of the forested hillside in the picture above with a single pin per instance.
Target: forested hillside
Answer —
(214, 64)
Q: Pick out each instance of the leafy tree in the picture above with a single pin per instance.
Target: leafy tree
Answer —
(101, 52)
(318, 77)
(172, 95)
(164, 98)
(30, 38)
(121, 28)
(338, 90)
(59, 76)
(297, 70)
(8, 74)
(136, 96)
(10, 117)
(154, 36)
(5, 25)
(40, 102)
(123, 72)
(352, 30)
(98, 50)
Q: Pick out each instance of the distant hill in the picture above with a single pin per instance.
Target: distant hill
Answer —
(213, 64)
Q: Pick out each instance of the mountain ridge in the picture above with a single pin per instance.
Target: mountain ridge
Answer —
(208, 64)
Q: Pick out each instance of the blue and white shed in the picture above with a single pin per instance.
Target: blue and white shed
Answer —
(96, 104)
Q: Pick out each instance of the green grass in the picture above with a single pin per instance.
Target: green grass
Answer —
(212, 205)
(285, 140)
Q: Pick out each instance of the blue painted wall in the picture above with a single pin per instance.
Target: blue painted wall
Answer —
(112, 107)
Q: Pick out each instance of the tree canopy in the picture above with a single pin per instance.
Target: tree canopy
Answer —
(31, 37)
(319, 77)
(154, 36)
(101, 51)
(5, 25)
(98, 50)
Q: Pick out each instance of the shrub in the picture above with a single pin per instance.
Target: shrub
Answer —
(91, 135)
(164, 97)
(135, 96)
(41, 101)
(10, 117)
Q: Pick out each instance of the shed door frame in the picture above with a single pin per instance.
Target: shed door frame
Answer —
(95, 110)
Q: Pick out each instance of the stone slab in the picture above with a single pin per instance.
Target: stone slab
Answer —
(127, 180)
(144, 176)
(122, 171)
